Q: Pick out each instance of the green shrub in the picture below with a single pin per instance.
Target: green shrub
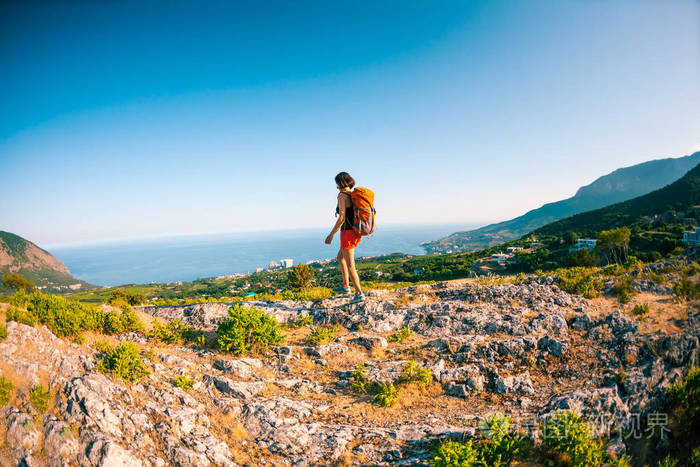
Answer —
(387, 394)
(101, 346)
(565, 433)
(677, 251)
(613, 270)
(125, 297)
(124, 361)
(360, 383)
(3, 332)
(304, 320)
(502, 451)
(312, 294)
(300, 276)
(172, 332)
(453, 454)
(685, 289)
(92, 319)
(64, 317)
(495, 426)
(20, 316)
(695, 457)
(622, 461)
(6, 388)
(692, 269)
(668, 461)
(684, 400)
(623, 289)
(400, 335)
(17, 281)
(641, 310)
(633, 263)
(39, 399)
(184, 382)
(322, 335)
(580, 281)
(500, 446)
(412, 372)
(656, 278)
(583, 258)
(126, 320)
(246, 328)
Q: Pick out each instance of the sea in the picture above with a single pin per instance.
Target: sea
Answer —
(186, 258)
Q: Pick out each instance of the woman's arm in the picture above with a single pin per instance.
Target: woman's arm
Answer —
(339, 222)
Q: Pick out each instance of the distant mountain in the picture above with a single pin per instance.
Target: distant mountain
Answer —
(39, 266)
(620, 185)
(681, 196)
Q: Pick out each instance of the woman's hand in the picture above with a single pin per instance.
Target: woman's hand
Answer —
(329, 239)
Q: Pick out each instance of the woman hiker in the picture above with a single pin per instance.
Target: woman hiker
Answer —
(348, 238)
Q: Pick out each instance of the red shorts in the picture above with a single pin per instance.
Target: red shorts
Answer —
(349, 239)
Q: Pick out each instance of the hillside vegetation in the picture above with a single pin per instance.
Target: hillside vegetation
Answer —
(18, 255)
(681, 196)
(620, 185)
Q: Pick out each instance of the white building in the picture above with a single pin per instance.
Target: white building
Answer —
(514, 249)
(692, 238)
(286, 263)
(499, 258)
(259, 269)
(587, 243)
(273, 265)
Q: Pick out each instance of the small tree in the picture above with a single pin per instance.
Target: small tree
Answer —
(17, 281)
(582, 257)
(613, 244)
(300, 276)
(120, 296)
(570, 238)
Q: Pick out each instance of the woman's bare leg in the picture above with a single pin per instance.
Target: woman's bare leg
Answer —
(350, 260)
(343, 265)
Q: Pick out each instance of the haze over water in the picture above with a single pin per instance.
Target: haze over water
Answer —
(190, 257)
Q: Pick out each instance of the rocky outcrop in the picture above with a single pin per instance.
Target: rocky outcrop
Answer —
(526, 350)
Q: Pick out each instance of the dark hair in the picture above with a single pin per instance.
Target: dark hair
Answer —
(344, 180)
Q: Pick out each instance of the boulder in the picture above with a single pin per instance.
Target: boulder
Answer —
(552, 346)
(242, 368)
(60, 443)
(517, 384)
(239, 389)
(325, 350)
(104, 452)
(369, 342)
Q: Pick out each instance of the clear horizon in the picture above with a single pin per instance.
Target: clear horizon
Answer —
(131, 120)
(189, 257)
(321, 228)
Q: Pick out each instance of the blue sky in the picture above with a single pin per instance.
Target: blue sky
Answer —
(125, 120)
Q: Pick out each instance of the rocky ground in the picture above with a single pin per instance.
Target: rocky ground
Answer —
(524, 350)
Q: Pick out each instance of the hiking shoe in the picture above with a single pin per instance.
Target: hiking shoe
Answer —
(341, 290)
(359, 297)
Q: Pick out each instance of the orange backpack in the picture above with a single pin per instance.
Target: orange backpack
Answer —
(363, 210)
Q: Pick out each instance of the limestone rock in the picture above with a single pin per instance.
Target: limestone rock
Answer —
(239, 389)
(517, 384)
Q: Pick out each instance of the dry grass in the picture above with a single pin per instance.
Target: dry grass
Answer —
(402, 300)
(349, 458)
(244, 451)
